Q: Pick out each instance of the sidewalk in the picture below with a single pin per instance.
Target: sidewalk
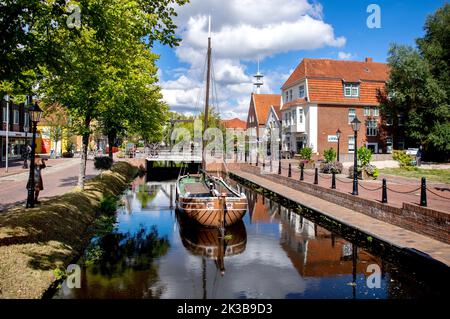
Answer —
(400, 189)
(60, 176)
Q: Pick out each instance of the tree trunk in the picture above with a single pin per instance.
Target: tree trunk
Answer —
(84, 151)
(111, 139)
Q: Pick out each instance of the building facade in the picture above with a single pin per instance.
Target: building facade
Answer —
(18, 131)
(323, 95)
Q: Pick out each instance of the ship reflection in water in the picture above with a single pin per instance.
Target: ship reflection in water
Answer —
(274, 253)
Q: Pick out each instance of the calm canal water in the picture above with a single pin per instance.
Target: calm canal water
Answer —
(274, 253)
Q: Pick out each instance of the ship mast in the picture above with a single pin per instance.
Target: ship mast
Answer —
(208, 77)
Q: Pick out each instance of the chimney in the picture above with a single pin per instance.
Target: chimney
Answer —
(369, 60)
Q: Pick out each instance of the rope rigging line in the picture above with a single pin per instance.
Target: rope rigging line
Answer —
(438, 195)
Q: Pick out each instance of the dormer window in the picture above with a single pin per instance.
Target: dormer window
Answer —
(351, 89)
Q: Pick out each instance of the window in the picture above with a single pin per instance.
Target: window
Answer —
(401, 143)
(371, 128)
(389, 144)
(4, 114)
(401, 119)
(376, 111)
(389, 120)
(15, 116)
(351, 115)
(300, 116)
(26, 120)
(290, 95)
(351, 144)
(294, 117)
(287, 96)
(301, 91)
(366, 111)
(351, 89)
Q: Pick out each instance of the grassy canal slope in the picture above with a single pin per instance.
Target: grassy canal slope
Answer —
(34, 242)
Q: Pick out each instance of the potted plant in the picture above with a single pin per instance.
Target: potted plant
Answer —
(305, 157)
(330, 165)
(365, 169)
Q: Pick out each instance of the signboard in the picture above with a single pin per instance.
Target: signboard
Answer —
(332, 139)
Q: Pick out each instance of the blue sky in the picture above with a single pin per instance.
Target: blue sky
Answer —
(280, 33)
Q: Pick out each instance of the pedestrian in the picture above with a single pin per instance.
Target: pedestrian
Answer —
(39, 165)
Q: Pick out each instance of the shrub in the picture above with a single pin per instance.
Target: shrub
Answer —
(404, 160)
(103, 162)
(108, 205)
(364, 156)
(331, 167)
(306, 153)
(329, 155)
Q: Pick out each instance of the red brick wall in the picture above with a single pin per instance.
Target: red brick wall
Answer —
(332, 117)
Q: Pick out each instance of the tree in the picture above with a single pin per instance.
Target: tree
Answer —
(98, 57)
(419, 85)
(57, 119)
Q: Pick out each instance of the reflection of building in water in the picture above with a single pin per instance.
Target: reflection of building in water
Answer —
(261, 209)
(315, 252)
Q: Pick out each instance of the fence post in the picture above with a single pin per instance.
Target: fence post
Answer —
(333, 180)
(302, 166)
(316, 176)
(279, 166)
(423, 193)
(290, 171)
(384, 192)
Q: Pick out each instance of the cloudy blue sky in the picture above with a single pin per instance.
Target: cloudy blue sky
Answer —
(280, 33)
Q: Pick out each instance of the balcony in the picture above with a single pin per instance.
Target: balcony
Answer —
(297, 128)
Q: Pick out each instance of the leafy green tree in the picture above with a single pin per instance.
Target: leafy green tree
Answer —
(419, 86)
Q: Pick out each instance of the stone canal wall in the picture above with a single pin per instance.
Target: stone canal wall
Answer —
(422, 220)
(35, 242)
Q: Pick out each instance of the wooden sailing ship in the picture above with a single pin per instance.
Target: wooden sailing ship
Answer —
(207, 199)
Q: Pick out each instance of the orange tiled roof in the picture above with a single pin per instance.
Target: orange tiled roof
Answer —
(234, 123)
(349, 71)
(262, 103)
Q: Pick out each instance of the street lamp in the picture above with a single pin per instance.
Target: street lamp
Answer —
(338, 135)
(356, 124)
(7, 99)
(35, 116)
(26, 128)
(279, 147)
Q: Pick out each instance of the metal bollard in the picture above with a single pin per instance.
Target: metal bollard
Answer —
(316, 176)
(423, 193)
(384, 192)
(270, 165)
(333, 180)
(279, 167)
(257, 159)
(264, 164)
(290, 171)
(302, 167)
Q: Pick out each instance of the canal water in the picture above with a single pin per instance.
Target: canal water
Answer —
(152, 252)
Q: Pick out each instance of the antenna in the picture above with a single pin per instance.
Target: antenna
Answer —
(258, 80)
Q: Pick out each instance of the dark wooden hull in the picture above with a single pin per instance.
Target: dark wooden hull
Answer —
(213, 211)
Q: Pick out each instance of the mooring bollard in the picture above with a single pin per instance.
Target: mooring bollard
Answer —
(384, 192)
(423, 193)
(316, 176)
(302, 166)
(290, 171)
(333, 180)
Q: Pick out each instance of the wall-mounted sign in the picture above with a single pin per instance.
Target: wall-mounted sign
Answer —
(332, 138)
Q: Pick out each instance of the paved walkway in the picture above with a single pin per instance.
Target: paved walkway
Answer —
(394, 235)
(60, 176)
(400, 189)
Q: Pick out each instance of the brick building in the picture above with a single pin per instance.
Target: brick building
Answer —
(323, 95)
(17, 137)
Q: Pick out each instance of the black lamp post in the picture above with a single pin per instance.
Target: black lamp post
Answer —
(26, 128)
(279, 148)
(35, 116)
(338, 135)
(356, 124)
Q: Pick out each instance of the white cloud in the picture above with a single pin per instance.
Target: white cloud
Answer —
(344, 56)
(242, 31)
